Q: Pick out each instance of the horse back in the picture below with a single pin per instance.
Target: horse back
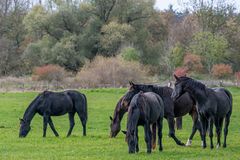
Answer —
(55, 103)
(154, 106)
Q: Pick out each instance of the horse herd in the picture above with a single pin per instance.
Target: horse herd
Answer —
(146, 105)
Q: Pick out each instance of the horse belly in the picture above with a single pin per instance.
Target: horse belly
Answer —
(59, 108)
(183, 105)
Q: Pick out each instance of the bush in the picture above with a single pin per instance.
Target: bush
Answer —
(237, 76)
(181, 71)
(193, 62)
(130, 54)
(49, 73)
(221, 70)
(110, 72)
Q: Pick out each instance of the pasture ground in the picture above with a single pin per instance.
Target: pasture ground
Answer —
(97, 144)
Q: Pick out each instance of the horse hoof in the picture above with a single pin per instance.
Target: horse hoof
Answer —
(189, 143)
(224, 145)
(154, 146)
(218, 145)
(181, 144)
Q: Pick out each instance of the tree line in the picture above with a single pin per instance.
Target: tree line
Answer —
(70, 33)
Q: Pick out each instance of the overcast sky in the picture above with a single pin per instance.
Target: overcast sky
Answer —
(163, 4)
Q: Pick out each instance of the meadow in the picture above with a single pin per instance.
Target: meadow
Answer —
(97, 144)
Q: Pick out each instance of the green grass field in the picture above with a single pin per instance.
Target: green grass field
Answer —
(97, 144)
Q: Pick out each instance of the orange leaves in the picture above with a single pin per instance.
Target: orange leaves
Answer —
(221, 70)
(48, 72)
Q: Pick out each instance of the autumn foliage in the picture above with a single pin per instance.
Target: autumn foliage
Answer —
(237, 75)
(49, 73)
(193, 62)
(181, 71)
(221, 70)
(105, 72)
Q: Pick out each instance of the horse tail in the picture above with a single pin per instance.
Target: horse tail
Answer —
(160, 101)
(85, 105)
(179, 123)
(230, 97)
(154, 135)
(79, 101)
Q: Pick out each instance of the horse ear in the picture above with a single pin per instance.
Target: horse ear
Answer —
(176, 77)
(131, 83)
(124, 132)
(111, 118)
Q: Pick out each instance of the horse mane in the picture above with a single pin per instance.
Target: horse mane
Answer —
(31, 105)
(193, 83)
(117, 108)
(160, 90)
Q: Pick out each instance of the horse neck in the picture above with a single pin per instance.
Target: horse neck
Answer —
(119, 111)
(121, 114)
(198, 94)
(30, 111)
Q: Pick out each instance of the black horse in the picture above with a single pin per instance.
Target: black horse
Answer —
(213, 105)
(115, 125)
(183, 105)
(49, 104)
(144, 109)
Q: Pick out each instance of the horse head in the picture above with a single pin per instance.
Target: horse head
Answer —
(179, 88)
(24, 128)
(114, 127)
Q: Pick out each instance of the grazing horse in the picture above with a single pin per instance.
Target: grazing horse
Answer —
(144, 109)
(49, 104)
(213, 105)
(183, 105)
(115, 125)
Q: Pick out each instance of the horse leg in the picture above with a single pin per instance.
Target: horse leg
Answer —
(72, 123)
(137, 147)
(83, 119)
(148, 137)
(204, 130)
(52, 127)
(211, 132)
(172, 131)
(45, 122)
(160, 125)
(227, 121)
(218, 124)
(153, 135)
(179, 123)
(194, 129)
